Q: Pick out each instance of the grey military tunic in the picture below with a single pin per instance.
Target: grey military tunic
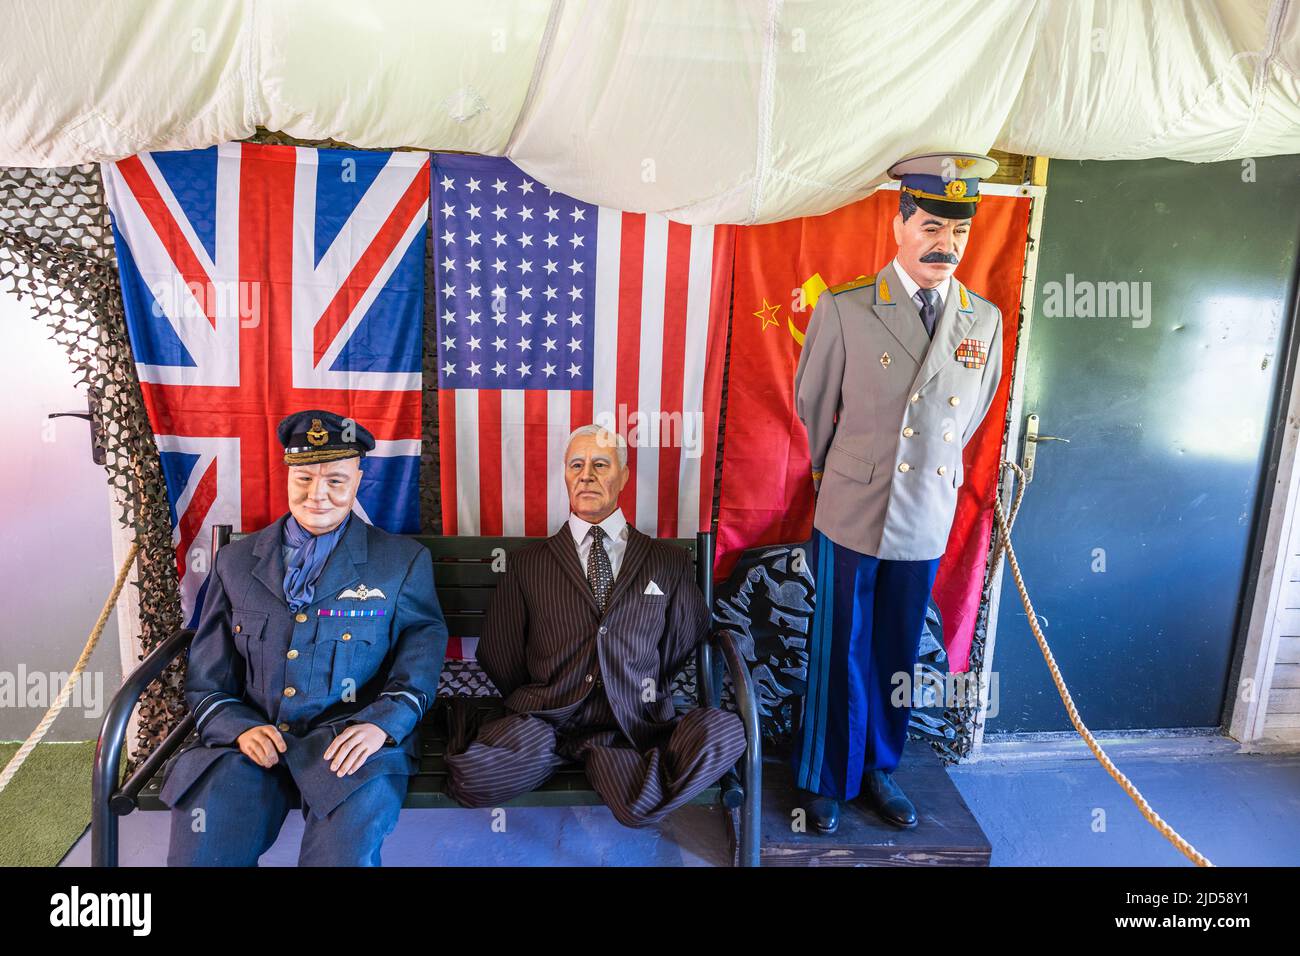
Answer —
(888, 411)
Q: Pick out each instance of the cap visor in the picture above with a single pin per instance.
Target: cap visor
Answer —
(316, 457)
(948, 210)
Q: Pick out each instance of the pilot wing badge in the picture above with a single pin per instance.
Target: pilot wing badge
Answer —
(360, 593)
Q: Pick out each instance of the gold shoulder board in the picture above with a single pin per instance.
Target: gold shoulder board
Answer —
(857, 283)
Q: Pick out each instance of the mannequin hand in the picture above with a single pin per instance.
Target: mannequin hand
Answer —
(260, 745)
(350, 748)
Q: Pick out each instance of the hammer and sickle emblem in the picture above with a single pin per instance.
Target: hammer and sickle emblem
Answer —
(317, 434)
(955, 189)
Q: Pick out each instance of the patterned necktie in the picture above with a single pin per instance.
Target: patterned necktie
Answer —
(927, 300)
(600, 575)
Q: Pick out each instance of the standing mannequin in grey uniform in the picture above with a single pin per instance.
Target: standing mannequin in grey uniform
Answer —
(897, 372)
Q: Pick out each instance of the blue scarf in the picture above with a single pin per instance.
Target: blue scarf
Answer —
(307, 556)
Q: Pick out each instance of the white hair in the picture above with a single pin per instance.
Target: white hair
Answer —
(619, 442)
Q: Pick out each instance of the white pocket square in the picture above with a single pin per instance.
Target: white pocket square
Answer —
(652, 588)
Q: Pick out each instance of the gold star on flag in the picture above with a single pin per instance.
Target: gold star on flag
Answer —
(768, 314)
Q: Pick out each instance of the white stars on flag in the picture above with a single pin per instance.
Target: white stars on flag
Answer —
(532, 241)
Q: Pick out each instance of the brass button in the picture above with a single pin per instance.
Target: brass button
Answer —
(292, 655)
(907, 432)
(916, 397)
(954, 400)
(283, 727)
(943, 469)
(238, 628)
(300, 617)
(290, 691)
(947, 436)
(903, 466)
(347, 636)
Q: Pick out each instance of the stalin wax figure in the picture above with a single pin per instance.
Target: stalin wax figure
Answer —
(897, 372)
(317, 652)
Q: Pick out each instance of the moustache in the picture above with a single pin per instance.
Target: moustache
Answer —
(948, 257)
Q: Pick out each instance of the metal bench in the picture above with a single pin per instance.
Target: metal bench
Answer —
(465, 580)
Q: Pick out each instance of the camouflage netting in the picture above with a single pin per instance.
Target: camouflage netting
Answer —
(56, 254)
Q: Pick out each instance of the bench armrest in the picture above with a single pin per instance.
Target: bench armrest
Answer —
(108, 801)
(742, 686)
(751, 763)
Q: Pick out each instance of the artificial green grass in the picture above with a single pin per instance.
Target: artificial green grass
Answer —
(46, 807)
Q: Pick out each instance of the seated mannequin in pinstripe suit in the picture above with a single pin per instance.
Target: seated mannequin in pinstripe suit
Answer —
(583, 635)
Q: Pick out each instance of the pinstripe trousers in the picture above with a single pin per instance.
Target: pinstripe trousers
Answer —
(514, 754)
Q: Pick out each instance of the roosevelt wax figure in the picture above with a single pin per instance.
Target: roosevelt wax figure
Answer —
(583, 636)
(897, 372)
(316, 655)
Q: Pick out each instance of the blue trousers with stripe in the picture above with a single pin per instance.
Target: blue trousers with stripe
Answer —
(866, 628)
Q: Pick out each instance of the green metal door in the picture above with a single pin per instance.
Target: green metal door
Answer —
(1162, 300)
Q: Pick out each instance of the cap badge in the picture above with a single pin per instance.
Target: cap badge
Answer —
(317, 435)
(955, 189)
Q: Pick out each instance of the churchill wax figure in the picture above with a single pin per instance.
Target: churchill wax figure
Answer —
(582, 638)
(897, 372)
(316, 655)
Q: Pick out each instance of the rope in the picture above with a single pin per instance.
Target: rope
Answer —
(1004, 544)
(65, 693)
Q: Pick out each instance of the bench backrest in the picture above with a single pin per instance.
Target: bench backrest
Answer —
(466, 571)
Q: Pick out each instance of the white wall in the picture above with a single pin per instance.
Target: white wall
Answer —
(56, 553)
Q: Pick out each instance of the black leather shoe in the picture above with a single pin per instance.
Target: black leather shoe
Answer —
(884, 796)
(824, 812)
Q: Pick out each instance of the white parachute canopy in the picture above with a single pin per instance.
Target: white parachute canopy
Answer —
(708, 112)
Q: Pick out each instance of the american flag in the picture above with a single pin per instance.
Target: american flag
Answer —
(260, 280)
(554, 313)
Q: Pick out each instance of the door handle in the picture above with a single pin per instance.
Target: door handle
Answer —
(97, 451)
(1032, 441)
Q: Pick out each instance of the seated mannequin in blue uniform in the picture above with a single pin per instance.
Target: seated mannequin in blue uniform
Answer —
(317, 653)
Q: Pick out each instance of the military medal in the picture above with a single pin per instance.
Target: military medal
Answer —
(885, 360)
(973, 353)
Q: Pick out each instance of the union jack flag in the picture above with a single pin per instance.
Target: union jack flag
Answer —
(260, 280)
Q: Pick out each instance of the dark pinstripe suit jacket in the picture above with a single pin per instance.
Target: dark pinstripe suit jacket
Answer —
(542, 636)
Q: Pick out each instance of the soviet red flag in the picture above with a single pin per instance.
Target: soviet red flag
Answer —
(780, 270)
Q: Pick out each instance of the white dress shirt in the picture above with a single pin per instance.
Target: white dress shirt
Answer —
(615, 539)
(911, 286)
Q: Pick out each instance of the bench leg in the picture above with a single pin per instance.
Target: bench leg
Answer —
(103, 835)
(751, 809)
